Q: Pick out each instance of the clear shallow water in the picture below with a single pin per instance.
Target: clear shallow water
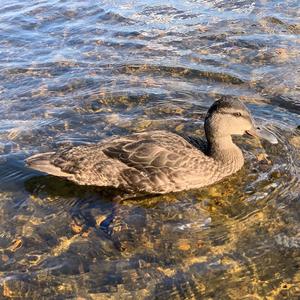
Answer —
(76, 72)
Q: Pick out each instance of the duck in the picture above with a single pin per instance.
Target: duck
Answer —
(158, 162)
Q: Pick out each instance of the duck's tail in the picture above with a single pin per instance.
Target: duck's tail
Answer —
(42, 162)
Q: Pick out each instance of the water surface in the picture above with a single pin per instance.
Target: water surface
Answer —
(75, 72)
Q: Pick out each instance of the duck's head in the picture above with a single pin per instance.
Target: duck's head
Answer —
(227, 117)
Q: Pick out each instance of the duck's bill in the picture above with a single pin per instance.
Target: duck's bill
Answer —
(263, 134)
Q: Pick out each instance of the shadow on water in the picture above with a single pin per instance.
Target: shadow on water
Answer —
(59, 187)
(89, 206)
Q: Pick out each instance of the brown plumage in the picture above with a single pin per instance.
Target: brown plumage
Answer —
(155, 161)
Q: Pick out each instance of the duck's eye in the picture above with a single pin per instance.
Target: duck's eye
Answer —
(237, 114)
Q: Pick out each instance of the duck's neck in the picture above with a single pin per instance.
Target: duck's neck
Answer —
(229, 156)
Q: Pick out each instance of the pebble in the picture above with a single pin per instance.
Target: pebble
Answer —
(263, 157)
(4, 257)
(99, 219)
(282, 54)
(183, 245)
(141, 125)
(76, 228)
(275, 175)
(15, 245)
(167, 271)
(63, 245)
(112, 118)
(179, 127)
(295, 141)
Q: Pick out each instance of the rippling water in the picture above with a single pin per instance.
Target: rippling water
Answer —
(75, 72)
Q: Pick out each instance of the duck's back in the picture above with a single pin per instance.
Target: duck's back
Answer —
(150, 162)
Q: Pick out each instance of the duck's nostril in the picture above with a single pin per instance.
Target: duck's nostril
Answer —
(265, 134)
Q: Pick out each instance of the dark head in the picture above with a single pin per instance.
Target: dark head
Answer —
(227, 117)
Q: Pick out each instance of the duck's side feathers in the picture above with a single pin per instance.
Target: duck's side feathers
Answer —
(41, 162)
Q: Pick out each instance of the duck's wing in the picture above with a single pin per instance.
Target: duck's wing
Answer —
(162, 161)
(156, 161)
(157, 149)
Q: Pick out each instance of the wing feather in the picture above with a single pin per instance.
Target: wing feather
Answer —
(146, 162)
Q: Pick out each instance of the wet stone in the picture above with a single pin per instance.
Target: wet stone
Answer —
(295, 141)
(17, 244)
(6, 148)
(183, 245)
(76, 228)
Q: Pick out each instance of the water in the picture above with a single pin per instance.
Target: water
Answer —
(75, 72)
